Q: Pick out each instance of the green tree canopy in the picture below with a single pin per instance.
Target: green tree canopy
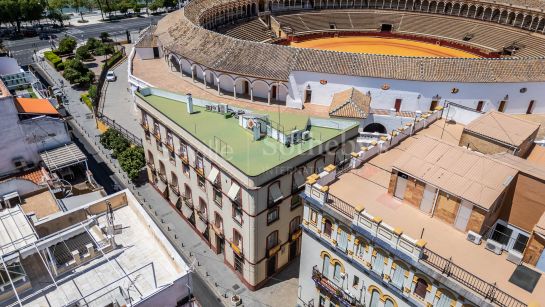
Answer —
(67, 45)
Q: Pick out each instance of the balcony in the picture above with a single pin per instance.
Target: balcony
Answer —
(188, 201)
(202, 216)
(144, 125)
(236, 248)
(169, 146)
(163, 177)
(157, 136)
(174, 188)
(273, 250)
(151, 166)
(218, 228)
(322, 282)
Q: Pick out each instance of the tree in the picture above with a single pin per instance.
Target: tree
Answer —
(77, 73)
(155, 5)
(15, 12)
(169, 3)
(104, 36)
(93, 44)
(83, 53)
(67, 45)
(132, 161)
(93, 92)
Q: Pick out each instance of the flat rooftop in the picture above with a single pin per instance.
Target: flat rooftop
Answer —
(367, 186)
(235, 143)
(42, 204)
(15, 230)
(142, 263)
(503, 127)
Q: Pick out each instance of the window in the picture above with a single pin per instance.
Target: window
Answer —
(159, 146)
(375, 298)
(174, 182)
(362, 248)
(172, 157)
(298, 181)
(294, 224)
(327, 228)
(378, 262)
(237, 239)
(398, 278)
(295, 201)
(530, 107)
(421, 288)
(185, 169)
(325, 266)
(313, 216)
(183, 150)
(272, 215)
(217, 195)
(202, 182)
(337, 271)
(356, 281)
(339, 156)
(218, 221)
(480, 105)
(170, 141)
(388, 303)
(237, 213)
(275, 194)
(272, 239)
(202, 207)
(321, 301)
(319, 165)
(342, 241)
(157, 131)
(443, 299)
(199, 163)
(520, 243)
(162, 170)
(147, 135)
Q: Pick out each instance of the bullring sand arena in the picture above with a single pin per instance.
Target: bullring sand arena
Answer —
(384, 46)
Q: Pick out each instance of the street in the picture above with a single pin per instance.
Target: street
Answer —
(23, 49)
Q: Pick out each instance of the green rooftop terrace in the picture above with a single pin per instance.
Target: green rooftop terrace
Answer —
(234, 143)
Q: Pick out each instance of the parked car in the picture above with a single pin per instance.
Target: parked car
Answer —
(110, 76)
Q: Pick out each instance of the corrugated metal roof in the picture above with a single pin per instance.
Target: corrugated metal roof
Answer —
(61, 157)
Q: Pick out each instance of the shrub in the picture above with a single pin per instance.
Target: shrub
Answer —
(105, 36)
(93, 92)
(83, 53)
(76, 72)
(52, 58)
(132, 161)
(113, 140)
(67, 45)
(87, 100)
(60, 66)
(114, 59)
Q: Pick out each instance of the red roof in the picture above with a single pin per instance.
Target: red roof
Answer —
(35, 106)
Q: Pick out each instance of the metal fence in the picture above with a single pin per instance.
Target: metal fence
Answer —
(487, 290)
(126, 133)
(341, 206)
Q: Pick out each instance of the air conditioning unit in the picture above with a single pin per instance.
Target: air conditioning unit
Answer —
(474, 237)
(306, 135)
(514, 257)
(19, 163)
(493, 246)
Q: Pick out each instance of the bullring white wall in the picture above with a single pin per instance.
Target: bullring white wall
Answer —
(417, 95)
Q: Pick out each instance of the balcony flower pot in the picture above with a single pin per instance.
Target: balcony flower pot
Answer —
(236, 300)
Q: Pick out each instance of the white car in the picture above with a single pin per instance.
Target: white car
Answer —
(110, 76)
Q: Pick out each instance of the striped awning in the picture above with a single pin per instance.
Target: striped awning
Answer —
(62, 157)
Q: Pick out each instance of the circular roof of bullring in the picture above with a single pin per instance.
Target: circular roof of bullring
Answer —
(180, 33)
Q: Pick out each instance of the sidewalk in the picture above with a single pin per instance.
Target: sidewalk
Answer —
(209, 266)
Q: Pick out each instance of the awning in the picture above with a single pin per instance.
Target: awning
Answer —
(276, 194)
(233, 191)
(213, 174)
(62, 157)
(201, 226)
(161, 186)
(186, 211)
(299, 179)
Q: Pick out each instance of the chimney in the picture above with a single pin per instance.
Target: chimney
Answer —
(189, 103)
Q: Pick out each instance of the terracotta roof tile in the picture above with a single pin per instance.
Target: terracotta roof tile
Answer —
(35, 106)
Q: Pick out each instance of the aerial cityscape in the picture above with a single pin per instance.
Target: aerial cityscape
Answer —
(309, 153)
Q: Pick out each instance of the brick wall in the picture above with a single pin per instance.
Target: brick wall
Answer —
(476, 220)
(392, 184)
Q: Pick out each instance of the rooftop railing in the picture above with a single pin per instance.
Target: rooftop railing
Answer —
(487, 290)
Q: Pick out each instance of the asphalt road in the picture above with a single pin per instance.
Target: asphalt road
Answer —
(23, 49)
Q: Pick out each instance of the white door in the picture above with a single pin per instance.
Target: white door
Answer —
(401, 185)
(463, 215)
(427, 199)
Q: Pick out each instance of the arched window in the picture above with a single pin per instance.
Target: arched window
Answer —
(327, 227)
(389, 303)
(421, 288)
(337, 271)
(375, 299)
(399, 275)
(325, 266)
